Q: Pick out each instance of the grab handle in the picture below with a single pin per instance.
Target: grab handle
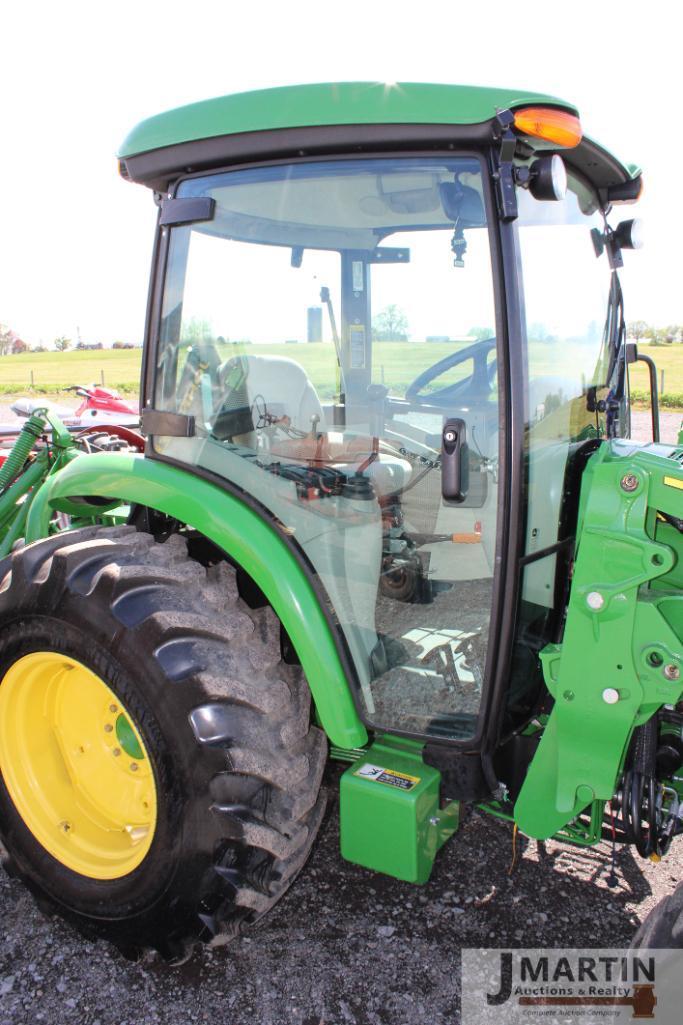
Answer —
(454, 461)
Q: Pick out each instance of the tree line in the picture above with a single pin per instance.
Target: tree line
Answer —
(641, 331)
(12, 345)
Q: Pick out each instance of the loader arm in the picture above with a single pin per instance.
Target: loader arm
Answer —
(621, 653)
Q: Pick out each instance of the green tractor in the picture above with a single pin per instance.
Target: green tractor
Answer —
(386, 514)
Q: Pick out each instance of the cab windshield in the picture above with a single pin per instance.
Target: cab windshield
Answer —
(321, 329)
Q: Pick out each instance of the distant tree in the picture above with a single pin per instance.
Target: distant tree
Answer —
(19, 346)
(390, 325)
(538, 332)
(62, 343)
(197, 331)
(6, 338)
(636, 330)
(593, 331)
(480, 333)
(656, 335)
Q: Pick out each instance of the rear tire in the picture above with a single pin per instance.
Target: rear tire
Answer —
(224, 721)
(663, 927)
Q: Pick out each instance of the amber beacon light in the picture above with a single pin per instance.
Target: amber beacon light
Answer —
(557, 126)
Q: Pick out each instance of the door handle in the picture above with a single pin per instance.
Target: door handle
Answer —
(454, 460)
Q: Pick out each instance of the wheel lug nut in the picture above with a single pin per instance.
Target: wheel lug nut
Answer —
(133, 767)
(116, 752)
(108, 728)
(65, 827)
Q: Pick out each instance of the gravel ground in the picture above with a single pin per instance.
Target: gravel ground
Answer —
(345, 945)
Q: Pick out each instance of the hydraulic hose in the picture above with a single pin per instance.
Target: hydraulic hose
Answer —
(640, 793)
(29, 434)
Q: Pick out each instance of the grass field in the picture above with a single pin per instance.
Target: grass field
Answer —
(396, 363)
(53, 371)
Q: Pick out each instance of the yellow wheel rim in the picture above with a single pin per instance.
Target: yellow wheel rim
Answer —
(76, 766)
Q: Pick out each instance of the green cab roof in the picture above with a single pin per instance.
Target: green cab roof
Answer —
(340, 103)
(341, 117)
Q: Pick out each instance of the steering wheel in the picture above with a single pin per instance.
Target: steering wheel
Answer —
(479, 383)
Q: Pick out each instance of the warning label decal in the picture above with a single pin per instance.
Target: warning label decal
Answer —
(357, 346)
(376, 774)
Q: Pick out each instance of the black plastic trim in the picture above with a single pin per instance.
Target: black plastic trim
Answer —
(169, 425)
(188, 210)
(625, 192)
(152, 316)
(543, 552)
(513, 494)
(158, 168)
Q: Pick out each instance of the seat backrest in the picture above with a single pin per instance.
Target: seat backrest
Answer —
(280, 387)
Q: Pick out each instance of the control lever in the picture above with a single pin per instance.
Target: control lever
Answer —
(454, 460)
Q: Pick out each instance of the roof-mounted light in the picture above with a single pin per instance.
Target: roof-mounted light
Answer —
(548, 177)
(556, 126)
(630, 234)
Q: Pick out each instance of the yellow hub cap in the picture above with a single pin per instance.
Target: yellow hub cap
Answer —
(75, 766)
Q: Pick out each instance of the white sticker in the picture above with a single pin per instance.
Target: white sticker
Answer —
(357, 276)
(357, 346)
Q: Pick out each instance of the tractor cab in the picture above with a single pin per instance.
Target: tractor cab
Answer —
(398, 337)
(387, 501)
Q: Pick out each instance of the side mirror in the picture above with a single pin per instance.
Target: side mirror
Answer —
(462, 205)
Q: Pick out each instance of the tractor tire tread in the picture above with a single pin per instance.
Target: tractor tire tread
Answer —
(248, 711)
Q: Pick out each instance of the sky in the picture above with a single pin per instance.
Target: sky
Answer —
(75, 240)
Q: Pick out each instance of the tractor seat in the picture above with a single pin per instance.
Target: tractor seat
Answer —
(267, 386)
(276, 386)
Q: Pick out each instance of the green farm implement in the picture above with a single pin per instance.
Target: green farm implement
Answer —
(387, 512)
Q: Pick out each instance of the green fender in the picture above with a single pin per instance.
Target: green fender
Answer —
(246, 537)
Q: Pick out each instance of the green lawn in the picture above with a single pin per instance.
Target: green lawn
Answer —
(669, 361)
(52, 371)
(55, 370)
(396, 363)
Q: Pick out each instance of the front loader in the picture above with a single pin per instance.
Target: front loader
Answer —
(387, 512)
